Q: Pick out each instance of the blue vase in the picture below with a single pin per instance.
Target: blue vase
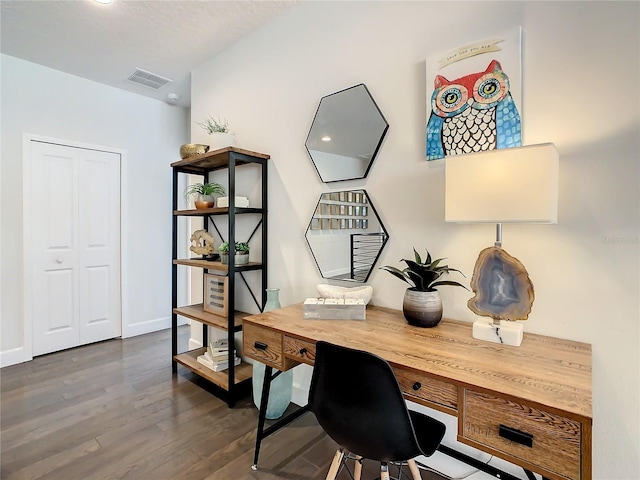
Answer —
(273, 299)
(281, 386)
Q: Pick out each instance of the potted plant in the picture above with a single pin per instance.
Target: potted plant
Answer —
(242, 253)
(219, 131)
(204, 193)
(422, 305)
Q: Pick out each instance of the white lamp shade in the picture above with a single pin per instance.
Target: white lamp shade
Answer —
(510, 185)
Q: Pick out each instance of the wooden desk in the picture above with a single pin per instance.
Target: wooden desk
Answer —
(541, 389)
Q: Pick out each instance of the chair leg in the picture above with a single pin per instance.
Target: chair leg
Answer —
(335, 465)
(413, 468)
(384, 471)
(357, 470)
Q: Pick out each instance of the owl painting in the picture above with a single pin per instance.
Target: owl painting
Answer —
(472, 113)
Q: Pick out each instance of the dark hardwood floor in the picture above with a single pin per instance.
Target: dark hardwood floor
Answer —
(113, 410)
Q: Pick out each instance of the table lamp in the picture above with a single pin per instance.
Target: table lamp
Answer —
(510, 185)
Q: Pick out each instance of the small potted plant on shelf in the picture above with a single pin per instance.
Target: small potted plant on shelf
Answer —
(241, 256)
(219, 131)
(422, 305)
(204, 193)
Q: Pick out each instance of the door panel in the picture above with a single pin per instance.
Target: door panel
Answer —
(59, 320)
(57, 185)
(98, 294)
(95, 200)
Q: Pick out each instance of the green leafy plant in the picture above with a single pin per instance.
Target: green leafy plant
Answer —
(423, 276)
(241, 247)
(210, 188)
(215, 125)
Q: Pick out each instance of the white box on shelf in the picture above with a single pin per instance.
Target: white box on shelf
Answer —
(223, 202)
(334, 309)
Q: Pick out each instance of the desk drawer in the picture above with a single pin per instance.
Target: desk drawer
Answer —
(263, 345)
(266, 346)
(541, 438)
(300, 350)
(436, 393)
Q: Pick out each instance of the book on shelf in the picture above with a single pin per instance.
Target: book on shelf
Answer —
(217, 353)
(223, 366)
(216, 366)
(218, 358)
(218, 347)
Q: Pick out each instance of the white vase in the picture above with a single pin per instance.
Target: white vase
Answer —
(221, 140)
(282, 386)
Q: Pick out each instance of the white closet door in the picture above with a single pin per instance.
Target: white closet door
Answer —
(99, 245)
(74, 246)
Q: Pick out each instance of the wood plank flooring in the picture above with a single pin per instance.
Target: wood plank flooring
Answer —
(113, 410)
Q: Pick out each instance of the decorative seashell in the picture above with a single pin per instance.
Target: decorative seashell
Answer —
(191, 149)
(332, 291)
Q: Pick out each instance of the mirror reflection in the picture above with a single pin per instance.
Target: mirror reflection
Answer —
(346, 236)
(346, 134)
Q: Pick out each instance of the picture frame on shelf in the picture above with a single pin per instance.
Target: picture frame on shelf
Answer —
(215, 294)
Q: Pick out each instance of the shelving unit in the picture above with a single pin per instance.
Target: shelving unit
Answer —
(234, 382)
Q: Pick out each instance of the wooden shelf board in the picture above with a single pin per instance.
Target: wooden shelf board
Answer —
(215, 211)
(214, 265)
(197, 313)
(189, 360)
(215, 159)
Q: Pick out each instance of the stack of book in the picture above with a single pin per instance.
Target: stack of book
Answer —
(216, 357)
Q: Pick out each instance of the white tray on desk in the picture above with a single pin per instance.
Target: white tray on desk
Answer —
(334, 309)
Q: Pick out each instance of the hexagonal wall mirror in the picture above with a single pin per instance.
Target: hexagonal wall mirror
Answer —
(346, 134)
(346, 236)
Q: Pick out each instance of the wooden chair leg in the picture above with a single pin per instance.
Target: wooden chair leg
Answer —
(335, 465)
(413, 468)
(384, 471)
(357, 470)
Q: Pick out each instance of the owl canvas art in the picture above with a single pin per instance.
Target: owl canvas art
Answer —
(472, 113)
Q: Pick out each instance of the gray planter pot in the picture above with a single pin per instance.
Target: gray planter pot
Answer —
(240, 259)
(422, 309)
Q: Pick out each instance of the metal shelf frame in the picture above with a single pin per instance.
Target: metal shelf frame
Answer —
(230, 158)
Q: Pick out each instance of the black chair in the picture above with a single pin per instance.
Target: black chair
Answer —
(357, 400)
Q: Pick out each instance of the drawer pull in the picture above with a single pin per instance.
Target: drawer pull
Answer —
(417, 386)
(303, 351)
(516, 436)
(260, 346)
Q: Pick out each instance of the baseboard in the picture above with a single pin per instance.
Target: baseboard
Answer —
(17, 355)
(13, 357)
(193, 344)
(148, 326)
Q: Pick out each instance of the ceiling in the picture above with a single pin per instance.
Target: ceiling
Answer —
(106, 43)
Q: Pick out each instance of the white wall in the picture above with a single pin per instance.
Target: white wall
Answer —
(580, 82)
(49, 103)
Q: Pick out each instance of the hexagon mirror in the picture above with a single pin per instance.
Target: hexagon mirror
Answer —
(346, 134)
(346, 236)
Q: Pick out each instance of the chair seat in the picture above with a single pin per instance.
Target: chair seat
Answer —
(429, 432)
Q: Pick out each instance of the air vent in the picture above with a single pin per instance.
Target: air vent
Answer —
(148, 79)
